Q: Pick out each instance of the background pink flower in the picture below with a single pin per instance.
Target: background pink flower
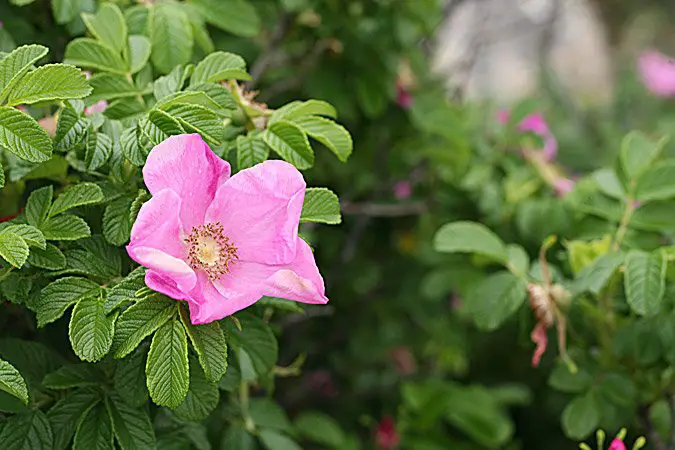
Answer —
(386, 435)
(220, 242)
(97, 107)
(617, 444)
(534, 123)
(403, 190)
(657, 72)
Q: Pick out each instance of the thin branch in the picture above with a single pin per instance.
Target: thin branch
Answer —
(272, 52)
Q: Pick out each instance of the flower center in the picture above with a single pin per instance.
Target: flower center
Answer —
(210, 250)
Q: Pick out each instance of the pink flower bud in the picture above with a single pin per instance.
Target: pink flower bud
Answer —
(386, 435)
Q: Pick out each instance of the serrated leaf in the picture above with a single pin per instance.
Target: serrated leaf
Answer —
(273, 440)
(70, 129)
(60, 295)
(645, 281)
(136, 18)
(73, 375)
(217, 92)
(30, 234)
(116, 221)
(64, 416)
(51, 258)
(88, 53)
(91, 331)
(12, 382)
(108, 26)
(198, 119)
(130, 377)
(190, 97)
(581, 416)
(140, 321)
(94, 430)
(165, 122)
(20, 134)
(298, 109)
(32, 359)
(94, 257)
(335, 137)
(595, 276)
(236, 16)
(321, 205)
(289, 142)
(111, 86)
(202, 396)
(149, 135)
(237, 437)
(470, 237)
(132, 426)
(139, 52)
(250, 151)
(49, 82)
(130, 148)
(167, 368)
(637, 153)
(76, 195)
(65, 227)
(496, 298)
(657, 183)
(65, 10)
(37, 206)
(219, 66)
(257, 340)
(16, 64)
(125, 291)
(99, 149)
(168, 84)
(170, 36)
(140, 199)
(27, 431)
(13, 248)
(209, 343)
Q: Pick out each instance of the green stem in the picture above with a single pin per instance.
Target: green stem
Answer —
(623, 224)
(243, 404)
(7, 272)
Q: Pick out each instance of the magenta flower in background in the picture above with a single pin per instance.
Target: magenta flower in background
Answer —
(657, 72)
(97, 107)
(403, 190)
(563, 186)
(386, 434)
(536, 124)
(617, 444)
(220, 242)
(403, 97)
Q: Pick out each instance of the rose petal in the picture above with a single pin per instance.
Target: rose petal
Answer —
(259, 209)
(186, 165)
(657, 72)
(540, 338)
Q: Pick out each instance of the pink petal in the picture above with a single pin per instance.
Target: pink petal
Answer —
(617, 444)
(403, 190)
(657, 72)
(503, 116)
(207, 303)
(540, 338)
(97, 107)
(186, 165)
(535, 123)
(259, 209)
(158, 282)
(156, 240)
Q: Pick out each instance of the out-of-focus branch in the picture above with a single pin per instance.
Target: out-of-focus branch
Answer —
(273, 54)
(384, 209)
(652, 434)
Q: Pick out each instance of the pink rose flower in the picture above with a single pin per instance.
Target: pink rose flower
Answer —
(403, 190)
(97, 107)
(617, 444)
(657, 72)
(386, 435)
(403, 97)
(220, 242)
(563, 186)
(536, 124)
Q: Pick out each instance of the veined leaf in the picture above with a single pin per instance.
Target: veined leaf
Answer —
(251, 151)
(208, 340)
(73, 375)
(202, 396)
(299, 109)
(595, 276)
(65, 227)
(219, 66)
(658, 182)
(110, 86)
(13, 248)
(117, 222)
(37, 207)
(496, 299)
(91, 331)
(16, 64)
(132, 426)
(257, 341)
(198, 119)
(167, 367)
(108, 26)
(637, 153)
(20, 134)
(470, 237)
(85, 52)
(140, 321)
(49, 82)
(94, 430)
(99, 149)
(12, 382)
(51, 258)
(70, 129)
(321, 205)
(64, 416)
(130, 377)
(76, 195)
(30, 234)
(289, 142)
(27, 431)
(170, 36)
(645, 281)
(139, 49)
(65, 10)
(329, 133)
(169, 84)
(125, 291)
(236, 16)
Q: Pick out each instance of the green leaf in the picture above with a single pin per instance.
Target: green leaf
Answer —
(49, 82)
(65, 227)
(266, 413)
(470, 237)
(116, 221)
(237, 437)
(132, 426)
(170, 36)
(209, 343)
(217, 92)
(168, 84)
(108, 26)
(93, 257)
(13, 248)
(70, 129)
(256, 341)
(15, 65)
(495, 299)
(91, 331)
(99, 149)
(595, 276)
(94, 430)
(563, 380)
(32, 359)
(130, 377)
(60, 295)
(76, 195)
(136, 18)
(27, 431)
(581, 417)
(192, 98)
(139, 52)
(73, 375)
(65, 10)
(298, 109)
(638, 153)
(519, 262)
(50, 258)
(12, 382)
(289, 142)
(65, 415)
(273, 440)
(202, 396)
(37, 206)
(219, 66)
(125, 290)
(84, 52)
(30, 234)
(167, 368)
(236, 16)
(321, 205)
(645, 281)
(198, 119)
(658, 182)
(165, 122)
(250, 151)
(320, 428)
(335, 137)
(111, 86)
(22, 135)
(140, 321)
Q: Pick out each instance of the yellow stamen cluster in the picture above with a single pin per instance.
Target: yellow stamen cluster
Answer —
(210, 250)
